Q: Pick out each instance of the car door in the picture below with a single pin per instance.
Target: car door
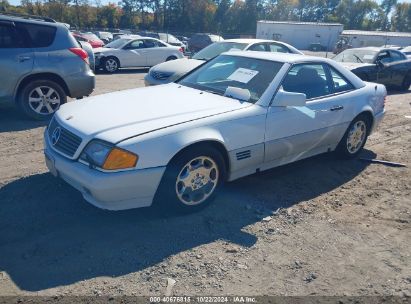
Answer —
(382, 62)
(297, 132)
(16, 58)
(398, 68)
(157, 51)
(133, 54)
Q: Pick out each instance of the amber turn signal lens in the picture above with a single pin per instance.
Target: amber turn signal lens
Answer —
(120, 159)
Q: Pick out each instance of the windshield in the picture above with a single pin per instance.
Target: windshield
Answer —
(357, 56)
(116, 44)
(226, 71)
(216, 49)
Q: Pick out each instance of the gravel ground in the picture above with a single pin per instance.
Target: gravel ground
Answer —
(317, 227)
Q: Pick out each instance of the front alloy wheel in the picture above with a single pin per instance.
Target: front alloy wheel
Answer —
(192, 179)
(111, 65)
(197, 180)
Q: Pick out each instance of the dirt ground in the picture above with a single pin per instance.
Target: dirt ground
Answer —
(321, 226)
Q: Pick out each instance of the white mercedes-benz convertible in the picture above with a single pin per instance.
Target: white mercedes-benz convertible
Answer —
(238, 114)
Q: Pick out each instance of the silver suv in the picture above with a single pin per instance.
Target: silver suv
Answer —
(40, 65)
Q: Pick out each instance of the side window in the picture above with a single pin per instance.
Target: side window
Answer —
(136, 44)
(39, 35)
(384, 57)
(9, 38)
(309, 79)
(148, 43)
(274, 47)
(397, 56)
(259, 47)
(339, 82)
(160, 44)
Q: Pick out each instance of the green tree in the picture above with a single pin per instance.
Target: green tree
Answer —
(401, 19)
(387, 6)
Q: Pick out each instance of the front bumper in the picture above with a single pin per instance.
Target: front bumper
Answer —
(112, 191)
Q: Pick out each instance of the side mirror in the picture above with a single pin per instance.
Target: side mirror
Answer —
(289, 99)
(238, 93)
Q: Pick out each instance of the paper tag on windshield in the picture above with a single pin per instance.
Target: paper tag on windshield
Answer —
(243, 75)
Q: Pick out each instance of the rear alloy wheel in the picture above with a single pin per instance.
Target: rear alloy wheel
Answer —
(192, 179)
(354, 138)
(111, 65)
(41, 99)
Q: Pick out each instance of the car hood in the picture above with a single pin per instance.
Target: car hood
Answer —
(120, 115)
(352, 66)
(177, 67)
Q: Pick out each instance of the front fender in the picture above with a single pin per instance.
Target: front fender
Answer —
(158, 151)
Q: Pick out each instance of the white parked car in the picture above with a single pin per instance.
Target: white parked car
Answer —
(170, 71)
(240, 113)
(130, 52)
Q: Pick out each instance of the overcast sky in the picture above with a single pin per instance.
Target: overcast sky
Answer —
(107, 1)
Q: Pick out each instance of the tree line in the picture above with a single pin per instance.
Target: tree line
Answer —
(217, 16)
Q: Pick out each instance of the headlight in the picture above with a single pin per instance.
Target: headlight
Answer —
(108, 157)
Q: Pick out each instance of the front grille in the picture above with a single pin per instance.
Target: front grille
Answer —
(67, 143)
(160, 75)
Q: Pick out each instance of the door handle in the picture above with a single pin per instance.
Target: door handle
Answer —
(23, 58)
(336, 108)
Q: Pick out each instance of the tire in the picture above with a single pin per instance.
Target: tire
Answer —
(406, 83)
(111, 65)
(355, 137)
(171, 58)
(206, 178)
(40, 99)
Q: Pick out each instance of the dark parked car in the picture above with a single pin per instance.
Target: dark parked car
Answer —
(199, 41)
(41, 64)
(387, 66)
(168, 38)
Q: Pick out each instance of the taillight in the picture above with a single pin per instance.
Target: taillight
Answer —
(81, 53)
(181, 50)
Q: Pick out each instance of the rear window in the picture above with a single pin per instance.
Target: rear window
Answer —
(39, 35)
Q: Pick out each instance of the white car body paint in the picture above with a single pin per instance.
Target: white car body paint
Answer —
(158, 122)
(180, 67)
(139, 57)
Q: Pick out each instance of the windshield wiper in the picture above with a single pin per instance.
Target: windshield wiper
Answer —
(212, 92)
(358, 58)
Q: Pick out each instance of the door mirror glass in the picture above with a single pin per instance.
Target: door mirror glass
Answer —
(289, 99)
(238, 93)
